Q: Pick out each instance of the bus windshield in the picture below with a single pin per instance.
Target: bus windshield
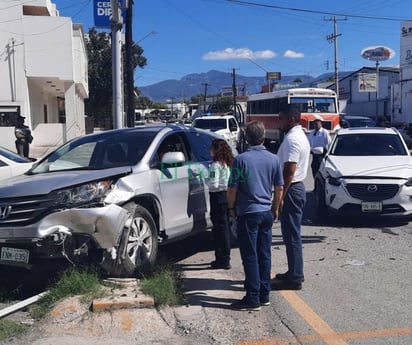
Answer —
(314, 104)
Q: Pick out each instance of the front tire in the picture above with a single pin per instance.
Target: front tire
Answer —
(138, 243)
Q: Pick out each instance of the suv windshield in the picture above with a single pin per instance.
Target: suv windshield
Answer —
(370, 144)
(212, 124)
(94, 152)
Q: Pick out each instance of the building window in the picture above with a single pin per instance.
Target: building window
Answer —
(8, 115)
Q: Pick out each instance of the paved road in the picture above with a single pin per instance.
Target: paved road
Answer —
(357, 288)
(357, 291)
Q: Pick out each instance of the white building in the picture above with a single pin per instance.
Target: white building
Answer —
(402, 91)
(353, 100)
(43, 66)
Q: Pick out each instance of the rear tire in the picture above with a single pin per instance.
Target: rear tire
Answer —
(138, 244)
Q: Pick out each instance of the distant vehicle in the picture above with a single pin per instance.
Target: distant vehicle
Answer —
(356, 121)
(366, 171)
(108, 198)
(314, 103)
(226, 125)
(11, 164)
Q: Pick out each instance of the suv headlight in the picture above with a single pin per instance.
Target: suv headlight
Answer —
(84, 193)
(409, 182)
(334, 181)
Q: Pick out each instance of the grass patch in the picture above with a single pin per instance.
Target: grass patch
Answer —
(9, 328)
(163, 281)
(71, 282)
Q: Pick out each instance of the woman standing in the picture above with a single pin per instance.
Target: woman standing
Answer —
(219, 174)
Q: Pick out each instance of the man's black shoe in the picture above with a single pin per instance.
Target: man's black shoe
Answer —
(284, 276)
(283, 284)
(244, 305)
(220, 265)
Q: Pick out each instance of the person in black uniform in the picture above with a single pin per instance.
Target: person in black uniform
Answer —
(23, 137)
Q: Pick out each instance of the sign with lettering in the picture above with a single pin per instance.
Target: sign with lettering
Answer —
(273, 76)
(406, 44)
(378, 53)
(102, 13)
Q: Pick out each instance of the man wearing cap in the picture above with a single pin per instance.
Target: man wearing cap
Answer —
(23, 137)
(319, 140)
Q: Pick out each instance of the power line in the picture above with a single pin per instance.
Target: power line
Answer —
(255, 4)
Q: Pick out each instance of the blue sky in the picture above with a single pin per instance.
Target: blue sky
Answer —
(181, 37)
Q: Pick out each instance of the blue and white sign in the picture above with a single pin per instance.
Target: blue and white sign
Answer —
(102, 13)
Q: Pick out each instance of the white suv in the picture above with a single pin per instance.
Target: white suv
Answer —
(366, 171)
(109, 198)
(225, 125)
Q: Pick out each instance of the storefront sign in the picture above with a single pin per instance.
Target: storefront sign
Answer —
(368, 82)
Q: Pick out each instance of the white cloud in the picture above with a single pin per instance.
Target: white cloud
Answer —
(293, 55)
(240, 53)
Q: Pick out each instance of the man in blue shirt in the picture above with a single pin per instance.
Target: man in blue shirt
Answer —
(253, 176)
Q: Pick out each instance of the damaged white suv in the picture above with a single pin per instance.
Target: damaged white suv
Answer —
(110, 198)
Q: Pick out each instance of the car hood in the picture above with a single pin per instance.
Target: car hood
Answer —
(41, 184)
(372, 166)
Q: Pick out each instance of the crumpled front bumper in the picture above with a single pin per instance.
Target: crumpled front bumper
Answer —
(103, 224)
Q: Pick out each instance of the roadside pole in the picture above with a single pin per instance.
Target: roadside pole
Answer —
(116, 26)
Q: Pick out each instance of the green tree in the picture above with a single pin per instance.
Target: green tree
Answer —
(198, 99)
(99, 104)
(297, 80)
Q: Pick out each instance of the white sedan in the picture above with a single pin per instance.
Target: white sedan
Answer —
(12, 164)
(366, 171)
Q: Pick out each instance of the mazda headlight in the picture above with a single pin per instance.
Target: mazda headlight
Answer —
(334, 181)
(94, 191)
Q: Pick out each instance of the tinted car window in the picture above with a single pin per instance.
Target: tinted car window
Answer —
(98, 152)
(12, 156)
(200, 143)
(212, 124)
(368, 145)
(360, 122)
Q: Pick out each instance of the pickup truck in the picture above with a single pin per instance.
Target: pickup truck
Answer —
(226, 125)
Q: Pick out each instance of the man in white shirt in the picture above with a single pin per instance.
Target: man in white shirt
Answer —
(294, 155)
(319, 140)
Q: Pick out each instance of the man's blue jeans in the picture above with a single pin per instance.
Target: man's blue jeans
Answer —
(291, 219)
(255, 239)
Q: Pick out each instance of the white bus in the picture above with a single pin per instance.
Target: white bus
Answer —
(314, 103)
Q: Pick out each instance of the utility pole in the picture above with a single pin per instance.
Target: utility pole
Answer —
(205, 95)
(130, 109)
(334, 38)
(234, 89)
(116, 25)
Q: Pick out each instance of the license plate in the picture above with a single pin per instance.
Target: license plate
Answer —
(371, 207)
(15, 255)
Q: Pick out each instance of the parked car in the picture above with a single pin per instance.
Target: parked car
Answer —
(356, 121)
(225, 125)
(110, 198)
(366, 171)
(11, 164)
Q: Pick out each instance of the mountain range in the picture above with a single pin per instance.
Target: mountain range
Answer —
(194, 84)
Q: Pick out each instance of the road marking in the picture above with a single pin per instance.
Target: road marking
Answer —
(326, 333)
(353, 335)
(323, 331)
